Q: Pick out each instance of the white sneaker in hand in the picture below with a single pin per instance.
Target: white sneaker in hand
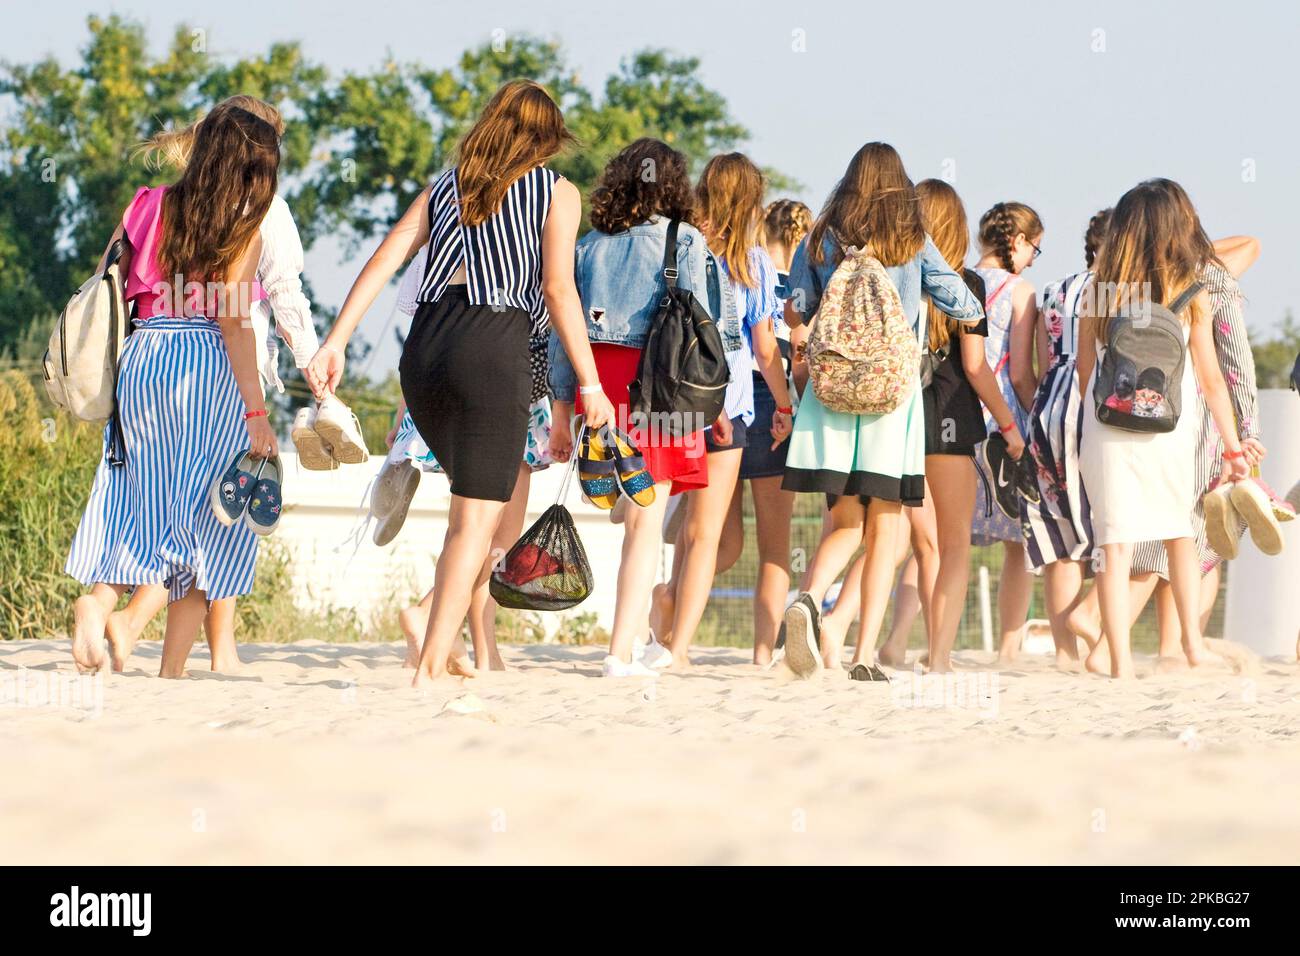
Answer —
(313, 451)
(336, 424)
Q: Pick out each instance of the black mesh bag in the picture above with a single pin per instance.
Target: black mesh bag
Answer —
(547, 568)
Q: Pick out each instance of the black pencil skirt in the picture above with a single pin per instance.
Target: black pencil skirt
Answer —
(465, 378)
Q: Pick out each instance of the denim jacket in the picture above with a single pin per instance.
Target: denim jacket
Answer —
(620, 282)
(928, 272)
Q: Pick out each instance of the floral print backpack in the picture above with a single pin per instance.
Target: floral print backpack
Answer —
(863, 353)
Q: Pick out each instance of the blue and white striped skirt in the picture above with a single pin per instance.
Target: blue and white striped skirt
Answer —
(149, 521)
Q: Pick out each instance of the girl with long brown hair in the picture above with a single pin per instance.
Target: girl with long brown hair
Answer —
(190, 405)
(1010, 237)
(1142, 486)
(501, 230)
(279, 272)
(728, 200)
(869, 465)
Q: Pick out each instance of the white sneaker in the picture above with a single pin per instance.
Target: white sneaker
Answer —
(336, 424)
(1221, 527)
(313, 451)
(655, 655)
(391, 498)
(613, 667)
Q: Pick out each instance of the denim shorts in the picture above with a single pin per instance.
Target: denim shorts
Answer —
(738, 432)
(761, 460)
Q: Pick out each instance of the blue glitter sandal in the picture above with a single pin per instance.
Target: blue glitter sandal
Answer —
(630, 470)
(596, 471)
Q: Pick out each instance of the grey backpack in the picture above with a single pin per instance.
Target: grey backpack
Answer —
(1139, 382)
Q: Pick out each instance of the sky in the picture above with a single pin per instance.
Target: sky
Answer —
(1060, 105)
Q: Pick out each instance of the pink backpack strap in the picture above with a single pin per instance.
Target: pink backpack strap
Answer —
(988, 304)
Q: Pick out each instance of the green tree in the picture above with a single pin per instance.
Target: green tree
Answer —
(1276, 356)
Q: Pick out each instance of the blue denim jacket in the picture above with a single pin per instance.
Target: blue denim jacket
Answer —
(620, 281)
(928, 272)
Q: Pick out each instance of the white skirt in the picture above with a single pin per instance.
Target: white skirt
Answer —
(1141, 487)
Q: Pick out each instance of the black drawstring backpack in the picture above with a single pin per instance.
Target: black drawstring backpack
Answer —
(681, 382)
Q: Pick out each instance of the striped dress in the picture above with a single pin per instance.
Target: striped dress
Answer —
(990, 523)
(1232, 347)
(149, 520)
(1059, 527)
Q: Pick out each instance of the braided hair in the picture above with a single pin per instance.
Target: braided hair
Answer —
(1000, 226)
(1092, 238)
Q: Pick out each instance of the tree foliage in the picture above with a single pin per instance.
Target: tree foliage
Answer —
(358, 146)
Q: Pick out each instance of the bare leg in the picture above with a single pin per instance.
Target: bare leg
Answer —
(701, 532)
(1166, 620)
(881, 531)
(1185, 582)
(1209, 595)
(471, 524)
(482, 609)
(841, 536)
(1113, 596)
(636, 571)
(663, 597)
(125, 626)
(220, 627)
(952, 477)
(907, 604)
(1015, 589)
(732, 543)
(89, 618)
(1062, 592)
(1085, 619)
(773, 511)
(925, 547)
(184, 619)
(413, 621)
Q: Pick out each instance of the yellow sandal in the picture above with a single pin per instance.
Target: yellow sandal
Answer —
(596, 471)
(633, 478)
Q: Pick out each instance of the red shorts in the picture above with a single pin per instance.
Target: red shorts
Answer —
(683, 461)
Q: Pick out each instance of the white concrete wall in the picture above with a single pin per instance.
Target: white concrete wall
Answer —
(322, 510)
(1263, 606)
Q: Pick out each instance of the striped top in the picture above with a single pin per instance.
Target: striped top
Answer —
(502, 255)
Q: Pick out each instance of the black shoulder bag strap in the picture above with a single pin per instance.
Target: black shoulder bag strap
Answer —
(1185, 299)
(670, 255)
(117, 444)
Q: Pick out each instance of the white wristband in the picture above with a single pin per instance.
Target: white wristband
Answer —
(590, 389)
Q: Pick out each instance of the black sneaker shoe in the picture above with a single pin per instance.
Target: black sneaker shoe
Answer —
(1027, 478)
(233, 488)
(1003, 472)
(802, 632)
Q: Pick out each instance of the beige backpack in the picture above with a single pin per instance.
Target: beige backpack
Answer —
(863, 353)
(81, 362)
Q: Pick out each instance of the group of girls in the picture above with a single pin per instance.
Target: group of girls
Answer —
(518, 328)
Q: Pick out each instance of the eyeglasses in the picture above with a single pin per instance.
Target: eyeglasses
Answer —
(1038, 251)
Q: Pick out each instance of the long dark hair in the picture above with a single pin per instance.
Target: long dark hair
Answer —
(647, 178)
(212, 213)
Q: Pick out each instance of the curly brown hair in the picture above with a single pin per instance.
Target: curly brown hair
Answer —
(647, 178)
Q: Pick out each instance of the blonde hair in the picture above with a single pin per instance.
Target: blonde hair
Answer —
(171, 148)
(786, 221)
(729, 202)
(520, 129)
(944, 218)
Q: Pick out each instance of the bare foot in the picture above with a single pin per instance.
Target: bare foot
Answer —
(495, 663)
(121, 639)
(1098, 660)
(88, 627)
(832, 641)
(1086, 627)
(662, 608)
(413, 622)
(461, 667)
(227, 662)
(173, 675)
(892, 656)
(680, 663)
(1171, 665)
(1194, 648)
(1065, 661)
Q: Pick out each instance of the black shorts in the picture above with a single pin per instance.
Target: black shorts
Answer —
(761, 460)
(466, 380)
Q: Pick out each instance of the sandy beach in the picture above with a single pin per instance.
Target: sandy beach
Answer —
(321, 753)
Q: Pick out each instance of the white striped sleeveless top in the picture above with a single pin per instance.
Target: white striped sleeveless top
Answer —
(502, 255)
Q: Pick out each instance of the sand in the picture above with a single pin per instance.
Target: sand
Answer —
(321, 753)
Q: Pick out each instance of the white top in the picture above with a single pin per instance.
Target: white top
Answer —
(280, 272)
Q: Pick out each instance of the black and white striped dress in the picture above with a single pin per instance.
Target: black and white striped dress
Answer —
(1059, 527)
(1232, 347)
(465, 367)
